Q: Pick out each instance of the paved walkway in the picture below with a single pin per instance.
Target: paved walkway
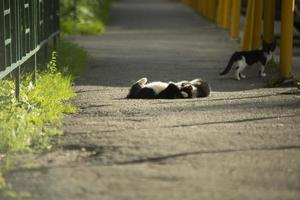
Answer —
(242, 142)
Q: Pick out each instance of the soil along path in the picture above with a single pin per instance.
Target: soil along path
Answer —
(242, 142)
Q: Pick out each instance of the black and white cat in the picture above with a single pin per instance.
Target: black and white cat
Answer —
(241, 59)
(171, 90)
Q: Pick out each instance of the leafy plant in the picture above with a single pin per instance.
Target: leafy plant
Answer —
(84, 16)
(30, 123)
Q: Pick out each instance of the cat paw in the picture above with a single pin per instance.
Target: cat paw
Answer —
(142, 81)
(184, 94)
(242, 76)
(263, 74)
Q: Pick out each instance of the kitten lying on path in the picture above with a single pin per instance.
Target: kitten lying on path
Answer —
(171, 90)
(241, 59)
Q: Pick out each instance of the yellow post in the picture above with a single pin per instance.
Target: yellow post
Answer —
(269, 17)
(196, 4)
(214, 9)
(202, 7)
(286, 39)
(187, 2)
(226, 14)
(235, 19)
(206, 8)
(211, 9)
(220, 12)
(256, 37)
(212, 4)
(246, 44)
(200, 2)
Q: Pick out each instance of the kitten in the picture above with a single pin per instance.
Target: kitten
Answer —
(240, 59)
(162, 90)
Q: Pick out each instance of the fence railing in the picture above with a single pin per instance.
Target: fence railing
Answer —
(25, 27)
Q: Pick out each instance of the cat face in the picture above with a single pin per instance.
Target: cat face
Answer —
(269, 47)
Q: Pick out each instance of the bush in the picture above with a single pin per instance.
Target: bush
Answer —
(84, 16)
(31, 122)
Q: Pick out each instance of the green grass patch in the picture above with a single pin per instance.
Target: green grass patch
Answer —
(29, 123)
(71, 59)
(84, 16)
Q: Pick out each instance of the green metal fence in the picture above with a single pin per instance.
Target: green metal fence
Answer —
(25, 27)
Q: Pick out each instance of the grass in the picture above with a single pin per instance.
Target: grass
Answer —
(86, 17)
(28, 124)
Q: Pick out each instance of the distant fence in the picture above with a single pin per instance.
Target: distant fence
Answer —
(25, 27)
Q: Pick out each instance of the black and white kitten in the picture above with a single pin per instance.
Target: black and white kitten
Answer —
(162, 90)
(240, 59)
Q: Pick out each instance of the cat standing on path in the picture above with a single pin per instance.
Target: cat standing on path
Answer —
(241, 59)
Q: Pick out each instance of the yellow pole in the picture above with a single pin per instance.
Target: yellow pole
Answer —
(209, 9)
(187, 2)
(206, 8)
(256, 37)
(286, 38)
(269, 17)
(246, 44)
(200, 6)
(220, 13)
(226, 14)
(235, 19)
(214, 9)
(194, 4)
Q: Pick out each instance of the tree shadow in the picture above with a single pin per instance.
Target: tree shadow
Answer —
(234, 121)
(204, 152)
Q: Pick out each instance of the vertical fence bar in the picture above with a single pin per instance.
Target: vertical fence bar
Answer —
(17, 82)
(14, 30)
(2, 39)
(56, 22)
(7, 32)
(35, 38)
(45, 27)
(19, 30)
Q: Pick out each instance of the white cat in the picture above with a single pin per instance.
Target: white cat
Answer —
(171, 90)
(241, 59)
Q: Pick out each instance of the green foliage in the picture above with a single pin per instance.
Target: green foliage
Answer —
(84, 16)
(31, 122)
(26, 124)
(2, 181)
(71, 59)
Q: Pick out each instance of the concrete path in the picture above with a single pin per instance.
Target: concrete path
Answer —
(242, 142)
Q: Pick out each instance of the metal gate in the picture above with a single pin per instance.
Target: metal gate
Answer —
(25, 27)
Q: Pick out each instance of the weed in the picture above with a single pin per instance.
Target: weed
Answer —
(30, 123)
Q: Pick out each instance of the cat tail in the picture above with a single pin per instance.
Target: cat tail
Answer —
(229, 65)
